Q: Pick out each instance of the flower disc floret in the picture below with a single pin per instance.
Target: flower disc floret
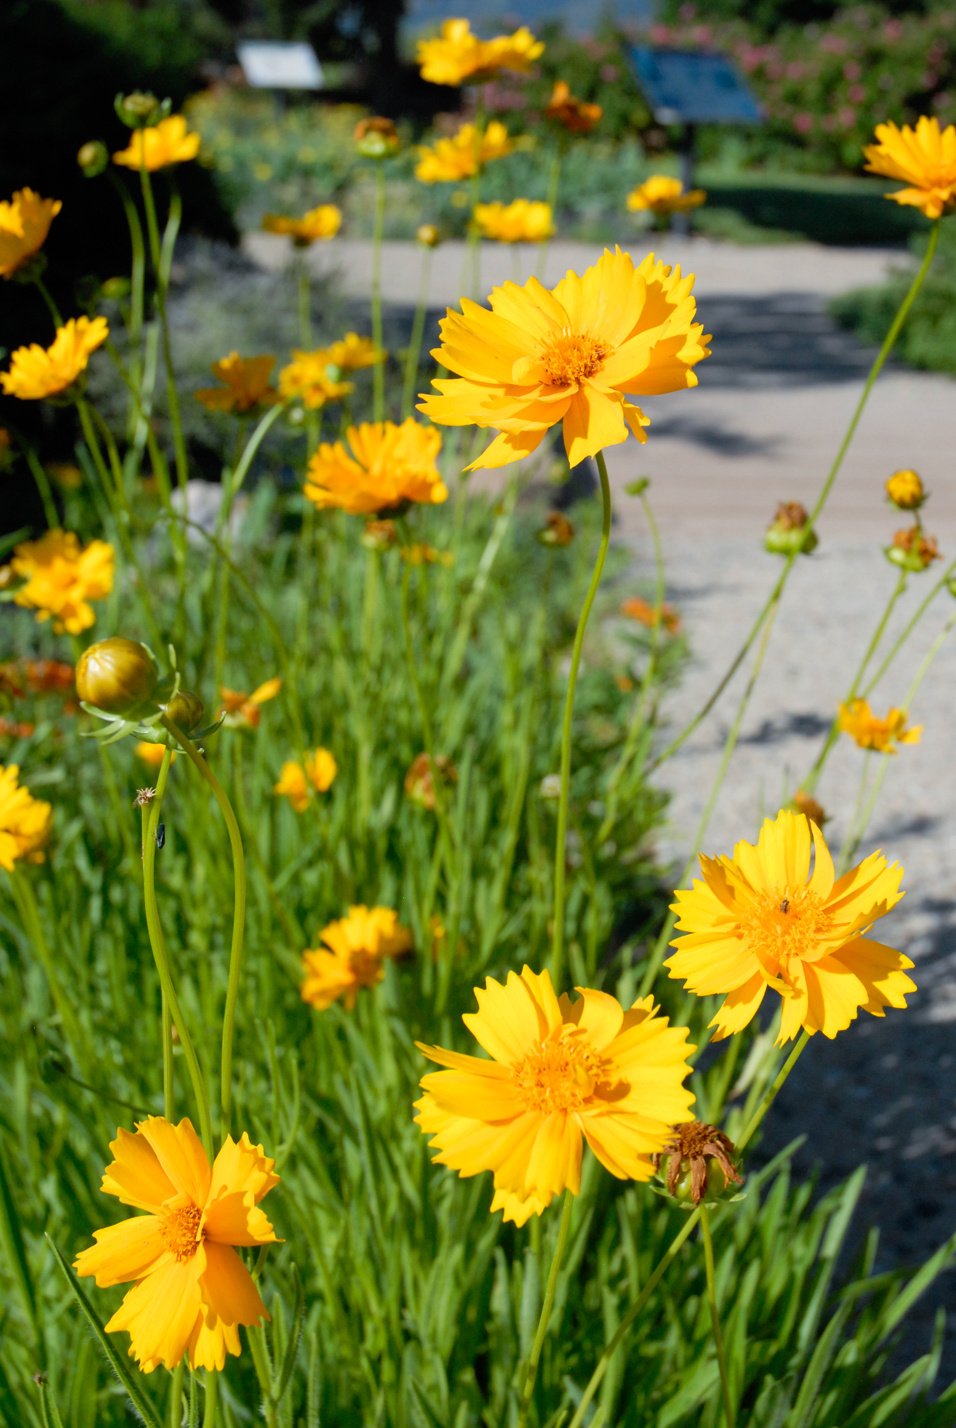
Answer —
(381, 466)
(191, 1291)
(924, 157)
(562, 1073)
(37, 372)
(764, 920)
(573, 354)
(24, 224)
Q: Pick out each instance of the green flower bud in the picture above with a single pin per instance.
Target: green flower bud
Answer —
(117, 676)
(93, 158)
(185, 709)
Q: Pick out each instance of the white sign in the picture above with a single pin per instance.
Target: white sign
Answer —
(277, 64)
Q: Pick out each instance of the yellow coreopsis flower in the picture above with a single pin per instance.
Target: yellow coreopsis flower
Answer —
(159, 146)
(245, 710)
(353, 955)
(562, 1073)
(871, 732)
(311, 379)
(352, 352)
(575, 115)
(191, 1290)
(905, 489)
(318, 224)
(37, 372)
(383, 465)
(296, 781)
(457, 56)
(24, 224)
(924, 158)
(762, 920)
(246, 384)
(523, 221)
(661, 195)
(573, 354)
(62, 578)
(24, 820)
(464, 154)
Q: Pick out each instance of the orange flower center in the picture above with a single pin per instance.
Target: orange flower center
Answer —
(784, 924)
(558, 1075)
(572, 358)
(180, 1231)
(365, 967)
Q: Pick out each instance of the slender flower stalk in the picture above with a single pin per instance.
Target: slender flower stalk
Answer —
(676, 1244)
(809, 783)
(708, 1243)
(547, 1304)
(879, 362)
(238, 918)
(157, 942)
(378, 232)
(413, 356)
(167, 1020)
(560, 847)
(428, 736)
(160, 249)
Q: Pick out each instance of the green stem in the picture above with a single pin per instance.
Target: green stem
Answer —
(715, 1315)
(157, 942)
(42, 484)
(304, 299)
(413, 355)
(833, 733)
(428, 736)
(554, 181)
(531, 1372)
(165, 1013)
(378, 371)
(160, 253)
(674, 1248)
(941, 584)
(238, 917)
(25, 899)
(557, 937)
(212, 1398)
(879, 362)
(51, 306)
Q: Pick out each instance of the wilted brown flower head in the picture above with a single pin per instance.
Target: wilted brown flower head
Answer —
(696, 1157)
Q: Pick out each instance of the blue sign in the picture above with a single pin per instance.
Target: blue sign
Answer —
(691, 87)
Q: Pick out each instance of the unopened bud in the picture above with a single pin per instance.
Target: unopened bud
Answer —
(93, 158)
(117, 676)
(376, 138)
(905, 490)
(115, 289)
(790, 532)
(185, 709)
(140, 109)
(805, 803)
(429, 235)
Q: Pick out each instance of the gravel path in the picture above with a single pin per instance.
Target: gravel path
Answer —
(763, 426)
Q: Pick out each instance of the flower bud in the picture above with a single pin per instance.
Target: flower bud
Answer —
(420, 781)
(790, 532)
(117, 676)
(141, 110)
(912, 550)
(93, 158)
(376, 138)
(429, 235)
(905, 490)
(115, 289)
(185, 709)
(558, 532)
(805, 803)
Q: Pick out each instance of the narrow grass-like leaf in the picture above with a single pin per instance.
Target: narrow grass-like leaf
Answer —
(120, 1369)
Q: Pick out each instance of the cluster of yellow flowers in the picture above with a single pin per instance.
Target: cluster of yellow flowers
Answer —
(297, 782)
(61, 577)
(352, 956)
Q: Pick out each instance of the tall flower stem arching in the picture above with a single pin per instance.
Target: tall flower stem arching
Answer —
(677, 1243)
(149, 895)
(414, 353)
(378, 234)
(809, 783)
(534, 1358)
(157, 942)
(879, 362)
(238, 918)
(161, 253)
(557, 936)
